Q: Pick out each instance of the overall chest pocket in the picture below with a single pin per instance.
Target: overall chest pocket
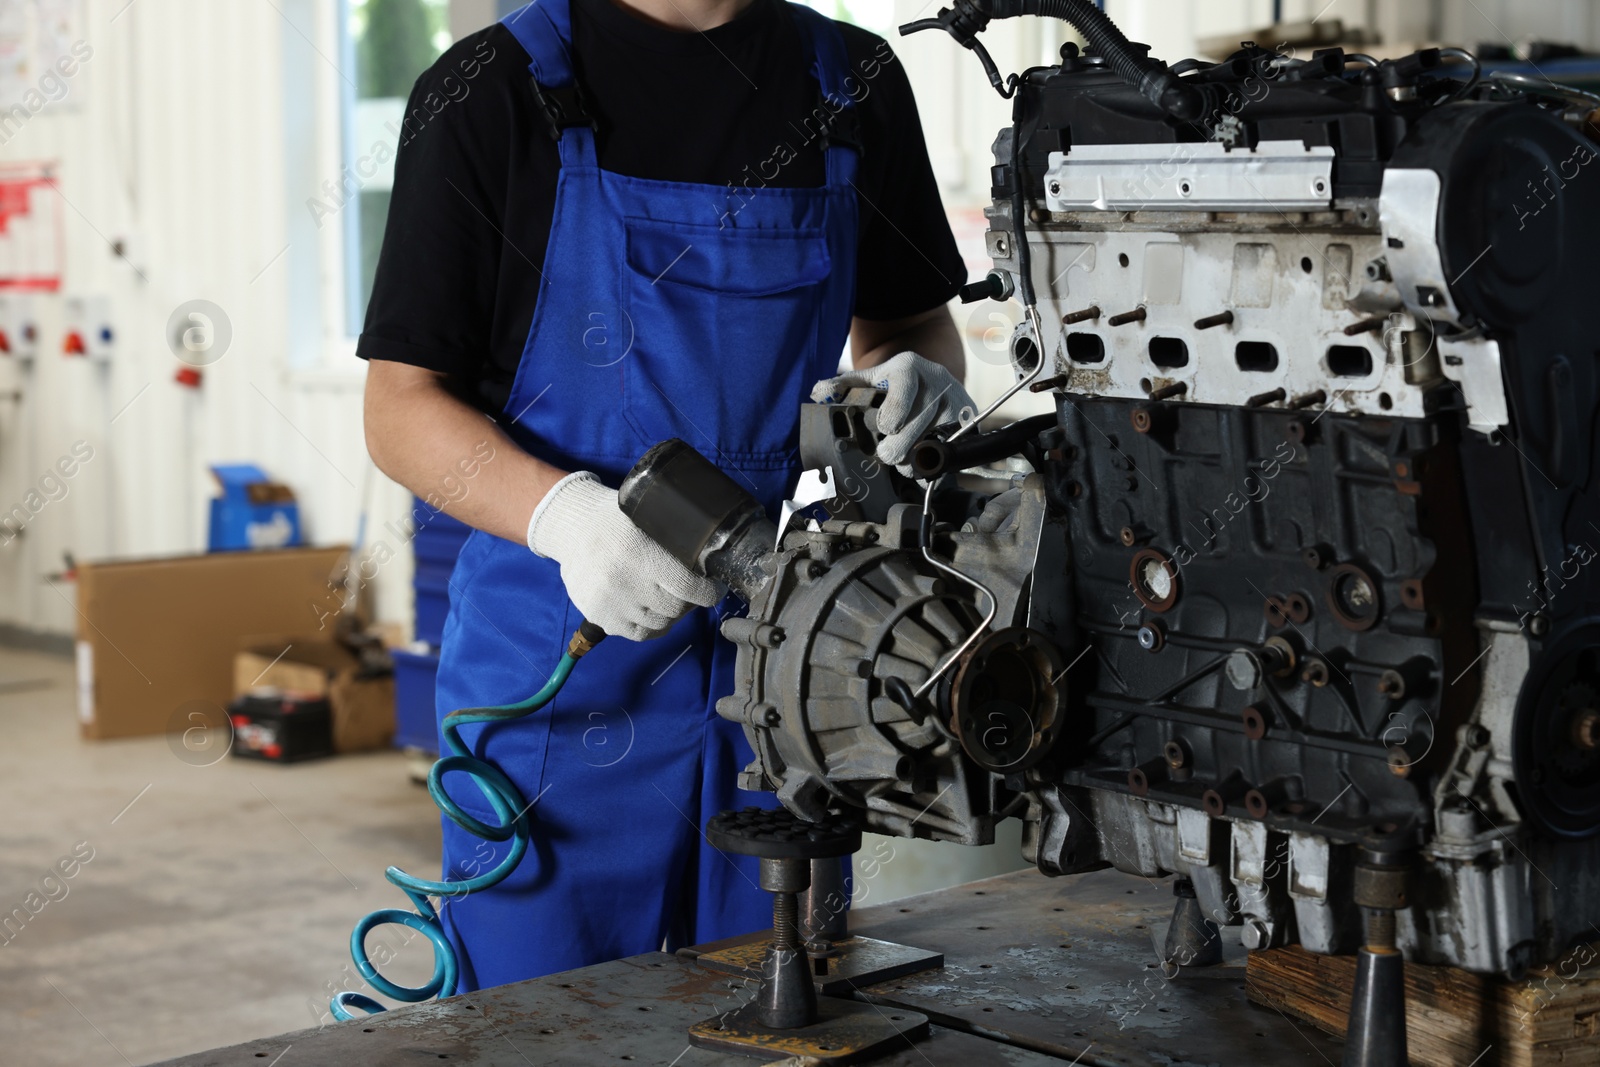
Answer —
(725, 327)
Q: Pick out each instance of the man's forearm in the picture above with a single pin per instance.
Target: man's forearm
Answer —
(450, 454)
(932, 335)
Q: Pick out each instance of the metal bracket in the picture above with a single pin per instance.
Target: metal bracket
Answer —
(1275, 176)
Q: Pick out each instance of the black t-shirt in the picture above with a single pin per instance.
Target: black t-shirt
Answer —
(475, 178)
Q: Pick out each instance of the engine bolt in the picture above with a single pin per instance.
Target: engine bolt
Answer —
(1316, 672)
(1255, 934)
(1243, 669)
(1277, 657)
(1392, 685)
(1152, 637)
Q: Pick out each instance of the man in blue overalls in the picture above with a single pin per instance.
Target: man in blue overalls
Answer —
(614, 222)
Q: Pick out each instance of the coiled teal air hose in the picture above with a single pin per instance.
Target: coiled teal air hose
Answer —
(510, 808)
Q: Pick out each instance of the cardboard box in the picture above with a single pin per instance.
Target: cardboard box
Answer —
(157, 638)
(362, 701)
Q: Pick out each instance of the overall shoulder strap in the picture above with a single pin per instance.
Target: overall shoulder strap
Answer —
(544, 29)
(830, 65)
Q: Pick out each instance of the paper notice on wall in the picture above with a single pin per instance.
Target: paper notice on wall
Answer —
(16, 54)
(35, 37)
(61, 25)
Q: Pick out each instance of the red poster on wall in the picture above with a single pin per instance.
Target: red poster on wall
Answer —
(30, 228)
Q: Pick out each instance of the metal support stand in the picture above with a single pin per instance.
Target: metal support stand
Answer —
(840, 961)
(787, 1018)
(1192, 940)
(824, 907)
(1377, 1031)
(787, 998)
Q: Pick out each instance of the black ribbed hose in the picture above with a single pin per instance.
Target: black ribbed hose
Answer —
(1162, 87)
(964, 19)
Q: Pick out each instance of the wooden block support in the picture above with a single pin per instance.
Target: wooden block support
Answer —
(1453, 1018)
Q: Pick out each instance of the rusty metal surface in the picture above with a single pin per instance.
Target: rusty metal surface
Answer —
(1061, 964)
(845, 1033)
(861, 961)
(1038, 972)
(633, 1011)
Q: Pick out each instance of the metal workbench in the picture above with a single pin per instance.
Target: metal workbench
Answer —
(1037, 971)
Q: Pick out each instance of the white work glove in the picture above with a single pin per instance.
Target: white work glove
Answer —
(919, 395)
(620, 579)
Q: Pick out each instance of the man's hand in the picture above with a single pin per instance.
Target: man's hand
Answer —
(619, 578)
(919, 395)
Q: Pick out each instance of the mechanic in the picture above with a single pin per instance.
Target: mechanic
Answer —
(670, 230)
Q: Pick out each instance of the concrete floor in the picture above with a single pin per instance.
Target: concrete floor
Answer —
(218, 902)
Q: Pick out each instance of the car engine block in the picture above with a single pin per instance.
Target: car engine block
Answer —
(1293, 591)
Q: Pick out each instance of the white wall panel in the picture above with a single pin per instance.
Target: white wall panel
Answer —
(196, 132)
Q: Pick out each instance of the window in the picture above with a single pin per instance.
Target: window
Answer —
(388, 44)
(872, 15)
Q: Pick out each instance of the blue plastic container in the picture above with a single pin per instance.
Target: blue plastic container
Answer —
(435, 546)
(252, 511)
(415, 722)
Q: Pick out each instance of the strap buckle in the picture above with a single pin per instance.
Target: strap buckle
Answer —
(842, 128)
(563, 108)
